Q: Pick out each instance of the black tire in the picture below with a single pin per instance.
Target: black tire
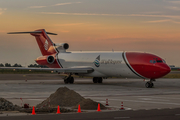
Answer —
(66, 81)
(95, 80)
(147, 84)
(152, 85)
(100, 80)
(71, 80)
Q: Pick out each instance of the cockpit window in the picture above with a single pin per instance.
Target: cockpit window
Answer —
(164, 61)
(152, 61)
(159, 61)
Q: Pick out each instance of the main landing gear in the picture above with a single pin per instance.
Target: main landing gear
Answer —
(97, 79)
(150, 83)
(69, 79)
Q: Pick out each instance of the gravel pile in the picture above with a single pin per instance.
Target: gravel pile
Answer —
(7, 106)
(64, 97)
(88, 104)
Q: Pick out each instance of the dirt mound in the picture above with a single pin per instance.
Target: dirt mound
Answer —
(88, 104)
(5, 105)
(63, 97)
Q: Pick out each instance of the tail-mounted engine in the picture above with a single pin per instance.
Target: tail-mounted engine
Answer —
(62, 47)
(45, 60)
(50, 59)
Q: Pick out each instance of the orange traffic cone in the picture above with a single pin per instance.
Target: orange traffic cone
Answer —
(58, 110)
(33, 111)
(98, 108)
(79, 109)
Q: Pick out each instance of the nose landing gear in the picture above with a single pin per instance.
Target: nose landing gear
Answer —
(150, 83)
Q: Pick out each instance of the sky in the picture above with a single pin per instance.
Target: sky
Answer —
(91, 25)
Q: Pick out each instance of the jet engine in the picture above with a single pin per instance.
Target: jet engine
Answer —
(62, 47)
(45, 60)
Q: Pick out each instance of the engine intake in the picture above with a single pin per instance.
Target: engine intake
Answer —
(62, 47)
(50, 59)
(65, 46)
(45, 60)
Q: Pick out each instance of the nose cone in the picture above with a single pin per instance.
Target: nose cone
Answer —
(164, 70)
(147, 65)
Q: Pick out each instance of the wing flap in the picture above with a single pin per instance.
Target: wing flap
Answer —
(83, 70)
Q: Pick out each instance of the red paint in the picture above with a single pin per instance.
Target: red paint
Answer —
(140, 62)
(43, 61)
(41, 38)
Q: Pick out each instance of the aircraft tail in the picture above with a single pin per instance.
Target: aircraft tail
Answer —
(44, 42)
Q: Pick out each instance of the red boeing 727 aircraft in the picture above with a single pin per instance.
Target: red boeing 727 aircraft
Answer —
(98, 65)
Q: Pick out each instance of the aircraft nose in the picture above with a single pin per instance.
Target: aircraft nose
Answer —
(165, 70)
(147, 65)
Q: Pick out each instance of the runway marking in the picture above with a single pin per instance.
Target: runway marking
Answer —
(153, 99)
(121, 117)
(144, 101)
(160, 97)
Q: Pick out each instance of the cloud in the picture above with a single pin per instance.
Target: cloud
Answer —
(121, 15)
(158, 21)
(173, 8)
(174, 2)
(155, 12)
(69, 24)
(37, 6)
(2, 10)
(162, 21)
(58, 4)
(91, 14)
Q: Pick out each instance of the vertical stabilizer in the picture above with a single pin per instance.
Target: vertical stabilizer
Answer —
(44, 42)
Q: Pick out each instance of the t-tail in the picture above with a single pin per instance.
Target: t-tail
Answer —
(47, 47)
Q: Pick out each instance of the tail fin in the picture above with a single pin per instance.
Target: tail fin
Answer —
(44, 42)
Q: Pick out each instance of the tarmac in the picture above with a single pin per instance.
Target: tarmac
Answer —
(132, 92)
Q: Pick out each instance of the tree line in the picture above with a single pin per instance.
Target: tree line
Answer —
(19, 65)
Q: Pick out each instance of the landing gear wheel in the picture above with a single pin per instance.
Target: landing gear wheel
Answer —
(152, 85)
(71, 80)
(100, 80)
(95, 79)
(66, 81)
(149, 85)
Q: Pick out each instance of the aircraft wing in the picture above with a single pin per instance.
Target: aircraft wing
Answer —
(62, 70)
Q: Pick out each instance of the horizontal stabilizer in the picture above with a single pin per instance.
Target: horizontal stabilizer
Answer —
(31, 32)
